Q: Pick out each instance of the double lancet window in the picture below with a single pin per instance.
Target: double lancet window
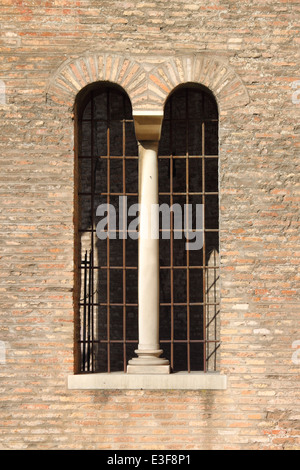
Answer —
(149, 297)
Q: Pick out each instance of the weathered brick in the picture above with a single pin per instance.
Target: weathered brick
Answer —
(247, 53)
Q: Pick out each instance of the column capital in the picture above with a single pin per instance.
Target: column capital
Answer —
(148, 125)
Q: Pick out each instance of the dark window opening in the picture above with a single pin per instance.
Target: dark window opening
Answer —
(189, 279)
(108, 169)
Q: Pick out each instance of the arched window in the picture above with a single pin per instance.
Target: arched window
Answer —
(107, 156)
(107, 171)
(189, 278)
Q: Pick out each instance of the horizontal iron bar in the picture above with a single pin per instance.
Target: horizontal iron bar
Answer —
(161, 267)
(166, 341)
(207, 193)
(164, 304)
(135, 157)
(207, 230)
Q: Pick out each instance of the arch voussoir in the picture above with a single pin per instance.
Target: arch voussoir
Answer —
(206, 70)
(149, 88)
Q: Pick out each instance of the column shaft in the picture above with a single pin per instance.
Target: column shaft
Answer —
(148, 352)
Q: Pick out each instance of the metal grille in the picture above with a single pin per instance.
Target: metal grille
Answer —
(108, 169)
(188, 174)
(189, 280)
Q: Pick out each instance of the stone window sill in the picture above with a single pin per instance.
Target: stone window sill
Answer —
(122, 381)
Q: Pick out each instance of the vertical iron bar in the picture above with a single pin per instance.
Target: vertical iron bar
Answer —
(84, 312)
(108, 244)
(204, 236)
(124, 241)
(89, 318)
(187, 251)
(92, 310)
(171, 235)
(92, 228)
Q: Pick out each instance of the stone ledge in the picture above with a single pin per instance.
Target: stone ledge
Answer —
(122, 381)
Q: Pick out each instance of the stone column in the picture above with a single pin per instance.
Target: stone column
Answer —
(148, 128)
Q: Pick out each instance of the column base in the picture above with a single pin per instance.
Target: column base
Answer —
(148, 370)
(148, 362)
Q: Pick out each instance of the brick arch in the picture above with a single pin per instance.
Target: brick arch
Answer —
(209, 71)
(148, 87)
(74, 75)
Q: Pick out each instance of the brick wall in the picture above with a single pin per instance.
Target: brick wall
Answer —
(258, 45)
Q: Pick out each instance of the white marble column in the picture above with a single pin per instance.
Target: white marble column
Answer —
(148, 352)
